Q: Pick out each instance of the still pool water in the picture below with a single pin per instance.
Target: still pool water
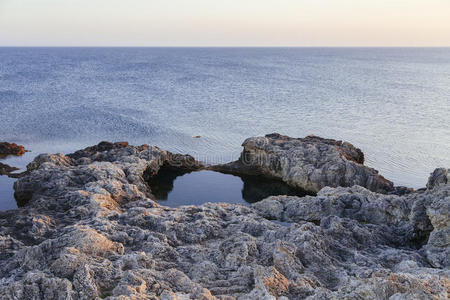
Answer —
(175, 189)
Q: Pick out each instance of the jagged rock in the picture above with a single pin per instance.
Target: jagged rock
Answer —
(439, 176)
(89, 229)
(310, 163)
(438, 211)
(7, 170)
(11, 149)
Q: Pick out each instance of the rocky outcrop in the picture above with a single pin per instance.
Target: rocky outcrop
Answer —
(438, 177)
(91, 230)
(7, 170)
(11, 149)
(309, 163)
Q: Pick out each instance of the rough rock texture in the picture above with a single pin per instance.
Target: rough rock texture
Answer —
(90, 230)
(11, 149)
(439, 176)
(310, 163)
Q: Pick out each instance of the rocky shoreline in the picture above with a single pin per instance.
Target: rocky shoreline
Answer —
(7, 149)
(89, 229)
(7, 170)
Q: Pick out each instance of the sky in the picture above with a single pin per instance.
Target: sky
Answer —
(224, 23)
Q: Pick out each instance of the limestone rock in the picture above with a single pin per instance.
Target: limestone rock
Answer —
(310, 163)
(89, 229)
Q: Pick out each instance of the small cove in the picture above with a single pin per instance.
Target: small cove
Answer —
(176, 188)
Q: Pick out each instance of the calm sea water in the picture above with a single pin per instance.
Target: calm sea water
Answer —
(393, 103)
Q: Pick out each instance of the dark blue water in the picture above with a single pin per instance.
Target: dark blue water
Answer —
(196, 188)
(393, 103)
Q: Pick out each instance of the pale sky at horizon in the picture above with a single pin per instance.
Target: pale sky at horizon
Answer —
(225, 23)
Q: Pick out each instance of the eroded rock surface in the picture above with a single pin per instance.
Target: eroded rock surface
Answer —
(90, 230)
(11, 149)
(310, 163)
(438, 177)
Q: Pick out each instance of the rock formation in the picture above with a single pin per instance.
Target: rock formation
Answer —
(11, 149)
(7, 170)
(439, 176)
(309, 163)
(90, 230)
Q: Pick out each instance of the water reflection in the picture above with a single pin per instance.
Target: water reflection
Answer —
(174, 188)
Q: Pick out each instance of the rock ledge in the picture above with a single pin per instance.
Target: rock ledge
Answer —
(309, 163)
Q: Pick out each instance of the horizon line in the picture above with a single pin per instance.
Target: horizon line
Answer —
(243, 46)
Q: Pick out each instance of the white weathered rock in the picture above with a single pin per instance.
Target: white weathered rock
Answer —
(90, 230)
(310, 163)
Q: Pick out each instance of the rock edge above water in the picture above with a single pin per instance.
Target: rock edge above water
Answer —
(309, 163)
(11, 149)
(8, 170)
(91, 230)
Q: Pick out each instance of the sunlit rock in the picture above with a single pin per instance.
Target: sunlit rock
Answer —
(309, 163)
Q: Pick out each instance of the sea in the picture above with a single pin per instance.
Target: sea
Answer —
(392, 103)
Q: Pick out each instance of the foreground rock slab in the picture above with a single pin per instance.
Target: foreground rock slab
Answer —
(309, 163)
(90, 230)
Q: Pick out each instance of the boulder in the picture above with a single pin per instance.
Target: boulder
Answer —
(309, 163)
